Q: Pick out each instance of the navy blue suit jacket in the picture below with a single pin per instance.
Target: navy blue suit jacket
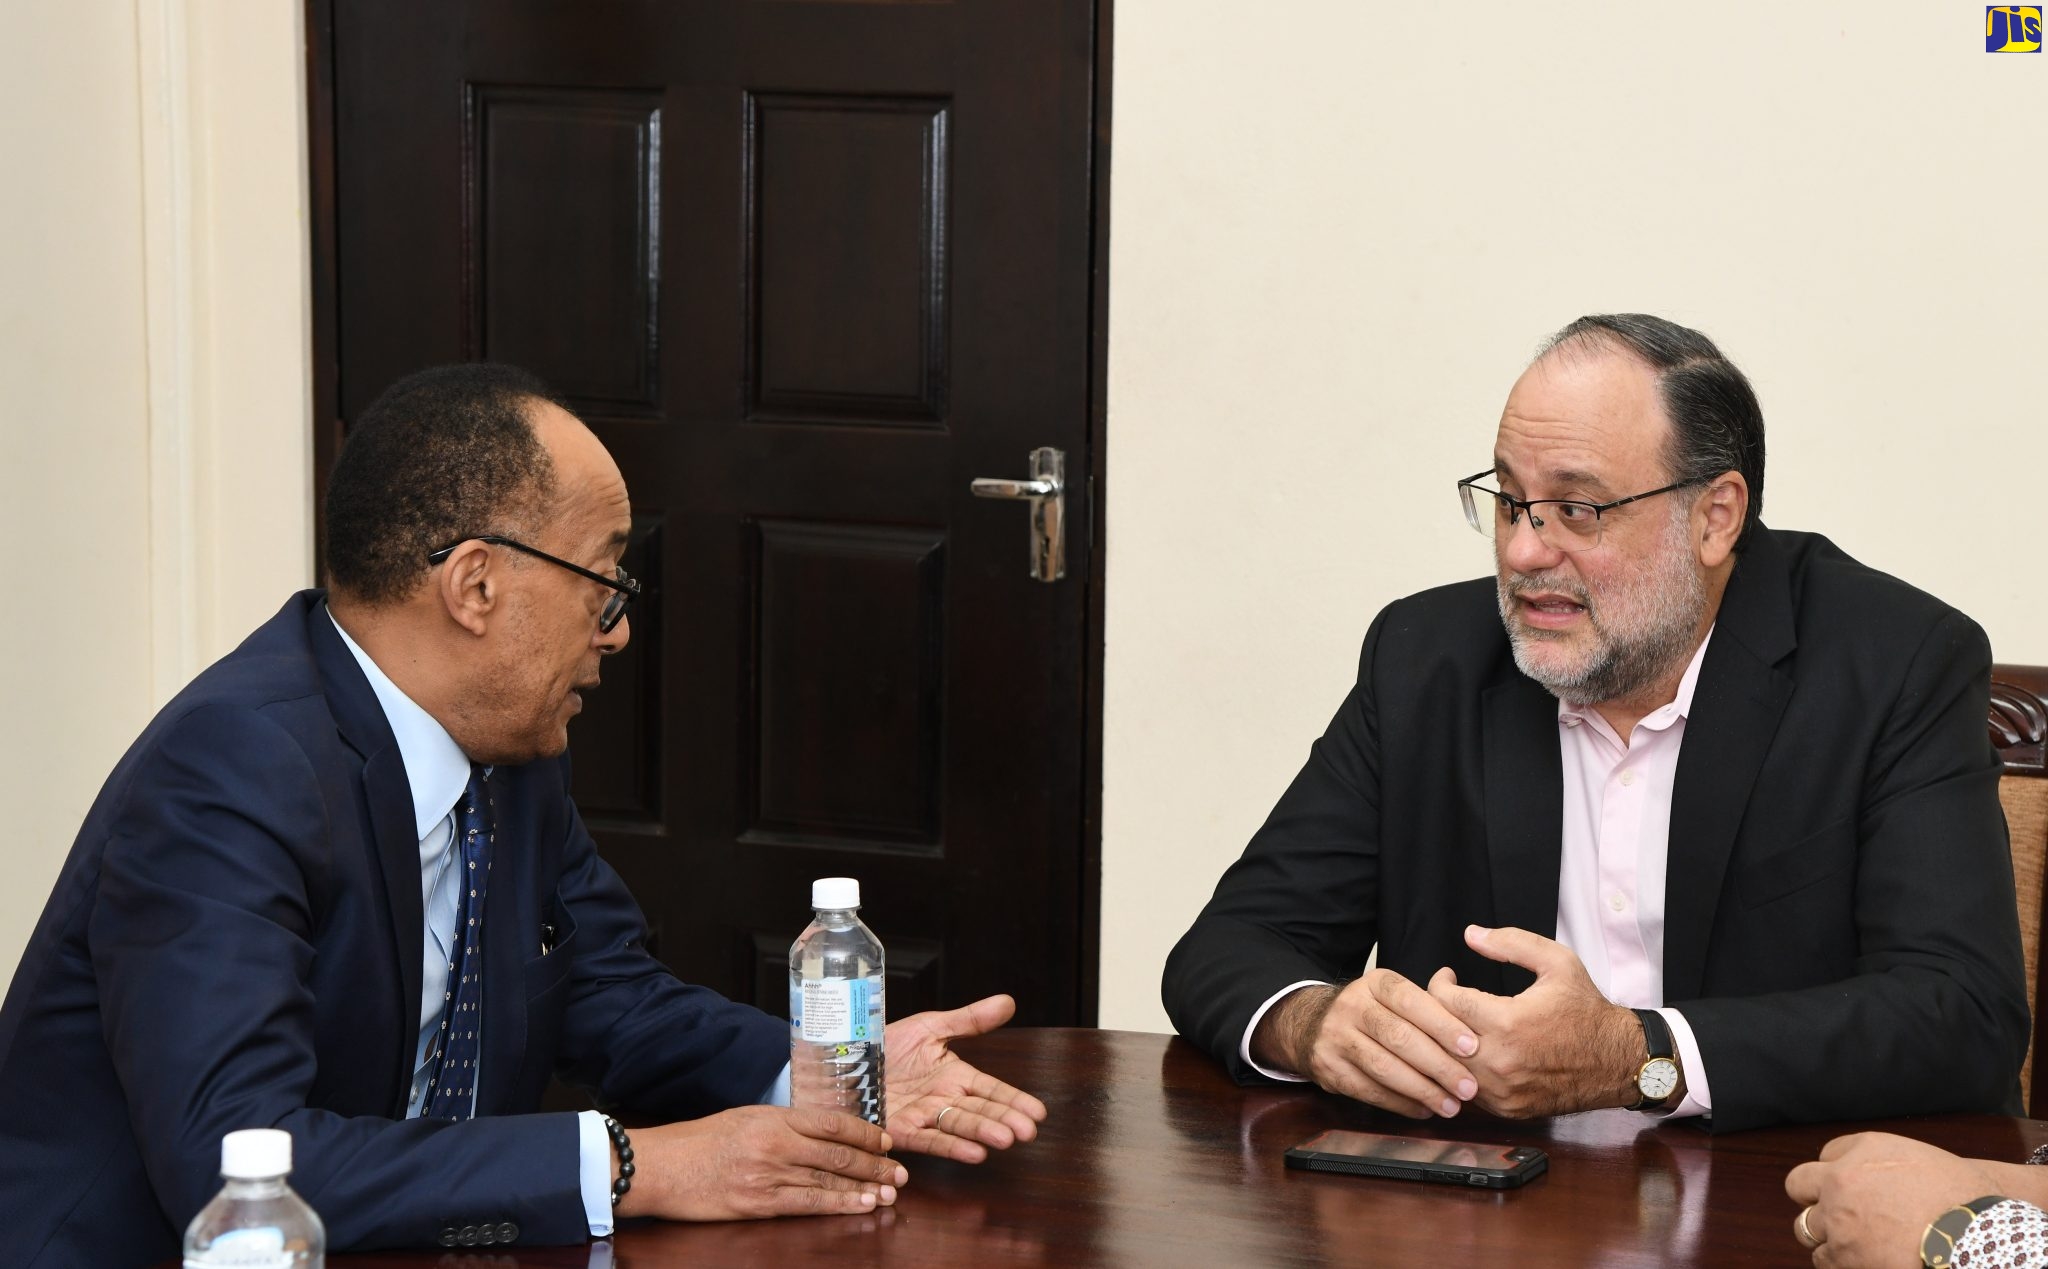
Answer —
(235, 942)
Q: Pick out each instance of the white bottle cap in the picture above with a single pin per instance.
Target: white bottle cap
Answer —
(256, 1153)
(835, 892)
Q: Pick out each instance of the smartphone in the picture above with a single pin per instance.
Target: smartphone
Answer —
(1420, 1159)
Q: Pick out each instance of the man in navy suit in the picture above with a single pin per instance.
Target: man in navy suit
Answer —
(339, 887)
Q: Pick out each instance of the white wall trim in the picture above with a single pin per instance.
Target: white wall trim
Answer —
(167, 181)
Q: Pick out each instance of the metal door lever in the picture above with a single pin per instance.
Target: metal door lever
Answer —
(1046, 491)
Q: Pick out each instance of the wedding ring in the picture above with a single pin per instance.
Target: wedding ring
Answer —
(1805, 1232)
(940, 1122)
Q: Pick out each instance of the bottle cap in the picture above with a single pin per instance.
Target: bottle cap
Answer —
(256, 1153)
(835, 893)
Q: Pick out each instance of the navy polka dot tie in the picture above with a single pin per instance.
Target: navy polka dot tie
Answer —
(451, 1090)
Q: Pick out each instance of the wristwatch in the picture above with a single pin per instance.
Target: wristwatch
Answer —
(1657, 1080)
(1938, 1244)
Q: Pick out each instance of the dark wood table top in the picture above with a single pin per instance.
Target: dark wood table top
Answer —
(1150, 1156)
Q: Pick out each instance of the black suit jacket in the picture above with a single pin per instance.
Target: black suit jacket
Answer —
(235, 942)
(1840, 927)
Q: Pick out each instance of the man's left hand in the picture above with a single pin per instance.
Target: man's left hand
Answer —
(1872, 1196)
(938, 1103)
(1559, 1046)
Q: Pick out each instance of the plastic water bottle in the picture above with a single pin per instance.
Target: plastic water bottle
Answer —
(256, 1222)
(836, 1015)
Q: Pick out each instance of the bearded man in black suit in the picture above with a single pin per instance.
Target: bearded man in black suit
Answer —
(1676, 812)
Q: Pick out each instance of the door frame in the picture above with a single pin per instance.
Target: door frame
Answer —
(327, 422)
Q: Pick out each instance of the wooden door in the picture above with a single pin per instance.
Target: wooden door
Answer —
(807, 269)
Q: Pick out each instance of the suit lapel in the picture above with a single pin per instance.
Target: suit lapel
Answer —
(1738, 701)
(388, 794)
(1524, 810)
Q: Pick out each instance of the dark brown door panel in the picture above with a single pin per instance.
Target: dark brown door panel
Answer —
(808, 269)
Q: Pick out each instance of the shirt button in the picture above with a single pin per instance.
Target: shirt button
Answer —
(1628, 777)
(1618, 901)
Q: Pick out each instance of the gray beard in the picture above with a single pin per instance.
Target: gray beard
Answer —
(1627, 661)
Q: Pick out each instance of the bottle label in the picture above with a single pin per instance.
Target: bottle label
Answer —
(256, 1248)
(840, 1010)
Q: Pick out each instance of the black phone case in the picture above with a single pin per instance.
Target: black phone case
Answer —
(1535, 1164)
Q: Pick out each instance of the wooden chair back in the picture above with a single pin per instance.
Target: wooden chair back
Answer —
(2019, 727)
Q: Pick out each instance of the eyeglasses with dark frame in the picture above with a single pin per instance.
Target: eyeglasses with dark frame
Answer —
(1565, 524)
(625, 589)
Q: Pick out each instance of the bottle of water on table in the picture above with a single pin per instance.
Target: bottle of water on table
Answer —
(256, 1222)
(836, 1014)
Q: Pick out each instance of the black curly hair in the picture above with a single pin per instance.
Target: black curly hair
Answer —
(442, 455)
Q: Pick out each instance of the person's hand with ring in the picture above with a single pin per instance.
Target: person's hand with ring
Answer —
(1868, 1199)
(941, 1105)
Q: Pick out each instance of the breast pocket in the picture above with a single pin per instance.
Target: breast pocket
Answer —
(1805, 863)
(546, 971)
(546, 986)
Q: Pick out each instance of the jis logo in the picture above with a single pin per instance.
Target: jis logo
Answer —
(2012, 28)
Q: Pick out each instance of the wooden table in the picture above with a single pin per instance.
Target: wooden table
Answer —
(1150, 1156)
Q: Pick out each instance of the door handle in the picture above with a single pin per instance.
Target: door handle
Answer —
(1046, 491)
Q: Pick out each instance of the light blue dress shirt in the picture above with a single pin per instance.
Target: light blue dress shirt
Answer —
(438, 772)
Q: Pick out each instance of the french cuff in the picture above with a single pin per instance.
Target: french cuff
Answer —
(594, 1150)
(1244, 1046)
(2014, 1229)
(777, 1093)
(1699, 1099)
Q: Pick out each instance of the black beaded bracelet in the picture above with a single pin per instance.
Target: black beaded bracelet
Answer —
(622, 1145)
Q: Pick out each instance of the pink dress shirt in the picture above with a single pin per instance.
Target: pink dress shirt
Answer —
(1610, 887)
(1617, 834)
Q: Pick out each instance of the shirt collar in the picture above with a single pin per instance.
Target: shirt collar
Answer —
(1680, 705)
(435, 766)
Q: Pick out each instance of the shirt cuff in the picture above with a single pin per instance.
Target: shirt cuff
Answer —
(594, 1146)
(2008, 1233)
(1699, 1099)
(1244, 1047)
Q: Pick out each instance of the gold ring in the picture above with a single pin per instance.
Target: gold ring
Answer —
(1805, 1231)
(940, 1122)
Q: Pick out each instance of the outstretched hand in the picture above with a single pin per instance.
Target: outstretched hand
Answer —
(942, 1105)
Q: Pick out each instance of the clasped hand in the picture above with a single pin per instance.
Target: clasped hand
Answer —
(758, 1161)
(1558, 1046)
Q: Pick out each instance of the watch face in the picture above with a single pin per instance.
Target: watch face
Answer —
(1658, 1079)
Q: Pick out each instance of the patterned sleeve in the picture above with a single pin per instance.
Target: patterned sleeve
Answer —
(2008, 1234)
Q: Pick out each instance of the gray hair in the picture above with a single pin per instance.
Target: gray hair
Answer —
(1716, 423)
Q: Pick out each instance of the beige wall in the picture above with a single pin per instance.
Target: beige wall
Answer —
(154, 464)
(74, 394)
(1339, 229)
